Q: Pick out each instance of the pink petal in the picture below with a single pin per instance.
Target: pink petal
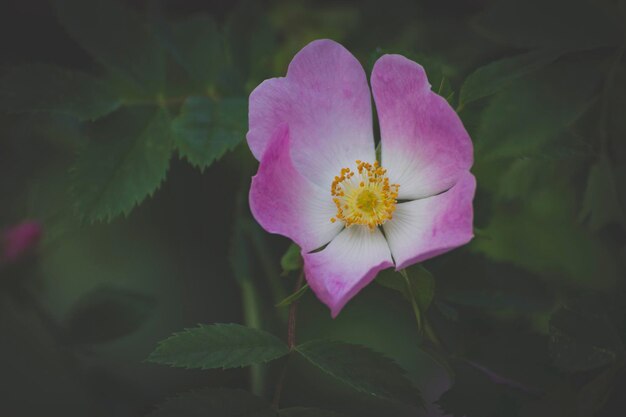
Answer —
(326, 102)
(425, 228)
(285, 202)
(425, 147)
(346, 265)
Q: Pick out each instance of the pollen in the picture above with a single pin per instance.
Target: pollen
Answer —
(364, 196)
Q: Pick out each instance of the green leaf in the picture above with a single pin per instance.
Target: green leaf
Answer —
(198, 47)
(548, 240)
(218, 346)
(574, 24)
(581, 340)
(601, 204)
(293, 297)
(46, 88)
(205, 129)
(307, 412)
(291, 260)
(522, 119)
(107, 313)
(422, 285)
(125, 161)
(214, 402)
(363, 369)
(496, 75)
(117, 38)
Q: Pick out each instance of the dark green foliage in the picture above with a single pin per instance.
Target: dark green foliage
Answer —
(578, 24)
(46, 88)
(218, 346)
(205, 129)
(475, 394)
(124, 162)
(102, 27)
(496, 75)
(107, 313)
(581, 340)
(521, 120)
(215, 403)
(601, 204)
(307, 412)
(362, 368)
(198, 46)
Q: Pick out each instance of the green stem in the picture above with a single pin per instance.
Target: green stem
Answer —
(416, 307)
(252, 318)
(291, 342)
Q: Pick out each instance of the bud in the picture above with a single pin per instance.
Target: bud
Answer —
(19, 240)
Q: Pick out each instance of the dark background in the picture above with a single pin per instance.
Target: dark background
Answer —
(532, 312)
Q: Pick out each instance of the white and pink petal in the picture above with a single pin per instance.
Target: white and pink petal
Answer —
(349, 262)
(326, 103)
(425, 147)
(422, 229)
(285, 202)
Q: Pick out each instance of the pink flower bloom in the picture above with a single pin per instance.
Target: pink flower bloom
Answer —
(18, 240)
(319, 183)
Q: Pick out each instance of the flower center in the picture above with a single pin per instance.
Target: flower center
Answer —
(364, 196)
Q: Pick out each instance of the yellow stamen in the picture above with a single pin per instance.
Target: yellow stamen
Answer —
(368, 199)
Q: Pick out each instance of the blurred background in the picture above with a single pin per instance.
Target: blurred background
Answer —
(124, 218)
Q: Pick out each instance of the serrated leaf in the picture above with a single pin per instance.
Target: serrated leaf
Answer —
(492, 77)
(47, 88)
(214, 402)
(116, 37)
(581, 341)
(125, 161)
(206, 129)
(291, 260)
(307, 412)
(293, 297)
(422, 285)
(361, 368)
(218, 346)
(534, 110)
(107, 313)
(198, 46)
(601, 205)
(575, 24)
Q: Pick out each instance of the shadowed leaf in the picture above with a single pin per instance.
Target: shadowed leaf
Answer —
(46, 88)
(218, 346)
(206, 129)
(116, 37)
(125, 161)
(492, 77)
(106, 314)
(363, 369)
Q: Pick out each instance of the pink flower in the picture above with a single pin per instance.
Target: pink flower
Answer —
(18, 240)
(318, 181)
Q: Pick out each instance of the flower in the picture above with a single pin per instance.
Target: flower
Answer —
(319, 183)
(18, 240)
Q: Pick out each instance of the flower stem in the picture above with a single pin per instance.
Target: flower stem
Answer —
(291, 342)
(416, 307)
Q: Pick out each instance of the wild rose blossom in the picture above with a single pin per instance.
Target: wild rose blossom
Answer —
(319, 182)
